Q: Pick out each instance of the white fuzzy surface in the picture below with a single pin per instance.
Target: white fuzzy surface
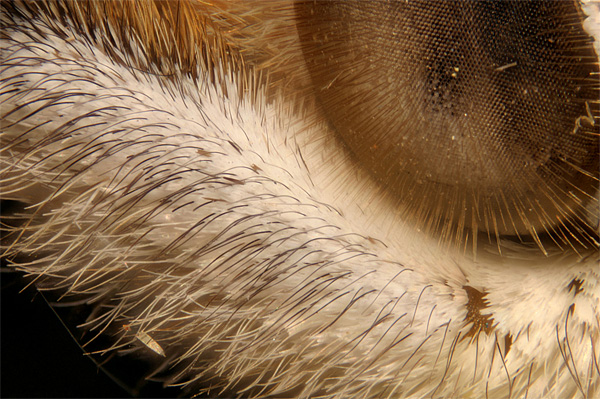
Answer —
(592, 23)
(243, 216)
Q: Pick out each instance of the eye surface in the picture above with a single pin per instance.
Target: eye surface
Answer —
(310, 199)
(479, 115)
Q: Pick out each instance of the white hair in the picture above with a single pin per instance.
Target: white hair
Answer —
(227, 235)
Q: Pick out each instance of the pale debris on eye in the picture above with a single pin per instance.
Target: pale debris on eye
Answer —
(589, 119)
(150, 343)
(504, 67)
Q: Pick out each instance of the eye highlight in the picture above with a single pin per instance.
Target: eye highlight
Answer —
(474, 116)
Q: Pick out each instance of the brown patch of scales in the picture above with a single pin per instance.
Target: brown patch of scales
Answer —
(507, 343)
(480, 322)
(575, 286)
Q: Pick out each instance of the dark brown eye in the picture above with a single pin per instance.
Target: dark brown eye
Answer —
(479, 116)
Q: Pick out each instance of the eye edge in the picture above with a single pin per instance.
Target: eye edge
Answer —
(585, 232)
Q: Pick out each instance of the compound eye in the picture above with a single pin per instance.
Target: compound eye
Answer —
(473, 115)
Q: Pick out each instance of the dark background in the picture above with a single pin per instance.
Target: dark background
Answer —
(39, 357)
